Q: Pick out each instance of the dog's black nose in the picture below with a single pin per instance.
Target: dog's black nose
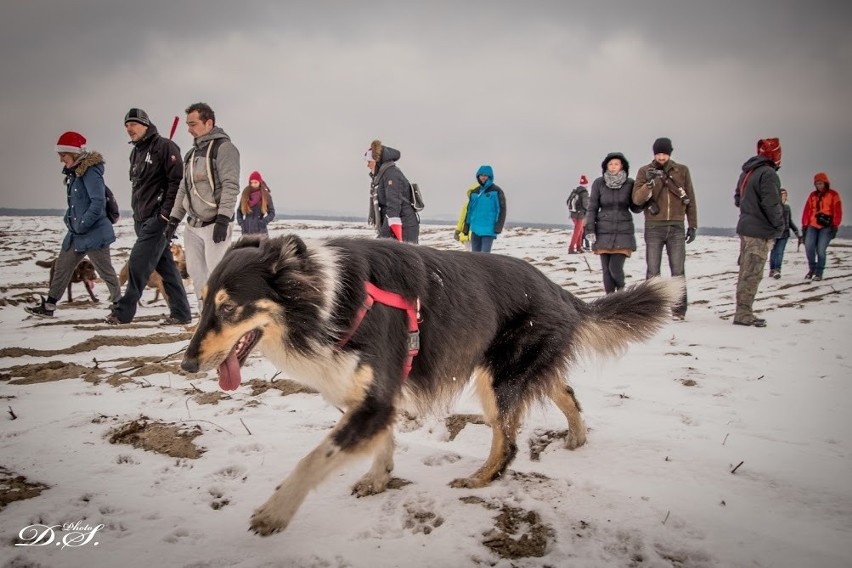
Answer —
(190, 365)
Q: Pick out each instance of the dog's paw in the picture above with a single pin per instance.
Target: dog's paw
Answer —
(468, 483)
(369, 485)
(264, 523)
(575, 439)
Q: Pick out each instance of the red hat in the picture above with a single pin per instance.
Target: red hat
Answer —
(255, 175)
(584, 180)
(770, 148)
(71, 142)
(823, 177)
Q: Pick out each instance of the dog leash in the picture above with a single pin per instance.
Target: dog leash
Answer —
(393, 300)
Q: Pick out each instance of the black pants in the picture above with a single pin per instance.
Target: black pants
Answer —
(151, 252)
(613, 271)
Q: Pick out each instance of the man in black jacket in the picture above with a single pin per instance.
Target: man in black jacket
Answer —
(156, 170)
(758, 195)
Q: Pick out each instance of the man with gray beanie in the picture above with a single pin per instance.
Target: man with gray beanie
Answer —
(664, 189)
(155, 174)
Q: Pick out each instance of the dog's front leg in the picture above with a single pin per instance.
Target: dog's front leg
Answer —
(276, 513)
(376, 480)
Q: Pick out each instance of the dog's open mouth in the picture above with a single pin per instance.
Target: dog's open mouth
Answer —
(230, 375)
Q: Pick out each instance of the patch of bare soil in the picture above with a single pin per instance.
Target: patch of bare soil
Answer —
(48, 372)
(457, 422)
(286, 386)
(95, 342)
(169, 439)
(210, 397)
(517, 533)
(17, 488)
(541, 439)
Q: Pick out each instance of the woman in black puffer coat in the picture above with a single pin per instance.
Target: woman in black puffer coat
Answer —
(609, 220)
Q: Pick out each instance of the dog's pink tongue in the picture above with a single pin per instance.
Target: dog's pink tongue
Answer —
(229, 373)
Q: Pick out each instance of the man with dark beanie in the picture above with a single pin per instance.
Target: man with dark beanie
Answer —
(758, 195)
(664, 189)
(156, 171)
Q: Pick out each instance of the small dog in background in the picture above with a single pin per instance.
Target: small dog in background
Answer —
(84, 272)
(180, 260)
(155, 281)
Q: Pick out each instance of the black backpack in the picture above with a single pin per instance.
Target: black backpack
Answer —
(112, 211)
(416, 197)
(574, 201)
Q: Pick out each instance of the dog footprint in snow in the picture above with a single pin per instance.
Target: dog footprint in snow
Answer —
(441, 459)
(230, 473)
(219, 499)
(419, 516)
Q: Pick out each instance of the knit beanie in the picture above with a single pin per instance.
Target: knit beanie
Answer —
(663, 146)
(137, 115)
(584, 180)
(770, 148)
(255, 175)
(71, 142)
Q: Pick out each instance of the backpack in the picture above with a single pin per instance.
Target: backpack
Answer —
(112, 211)
(416, 197)
(574, 202)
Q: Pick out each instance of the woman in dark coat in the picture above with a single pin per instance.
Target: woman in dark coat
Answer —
(396, 218)
(609, 220)
(256, 210)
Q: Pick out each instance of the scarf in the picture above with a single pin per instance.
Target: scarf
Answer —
(615, 181)
(250, 198)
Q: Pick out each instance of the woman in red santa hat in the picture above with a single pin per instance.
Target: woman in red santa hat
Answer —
(578, 205)
(256, 210)
(90, 232)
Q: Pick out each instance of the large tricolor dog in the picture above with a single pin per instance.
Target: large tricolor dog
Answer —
(377, 326)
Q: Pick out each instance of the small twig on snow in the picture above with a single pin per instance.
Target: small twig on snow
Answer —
(737, 467)
(726, 439)
(12, 414)
(246, 427)
(667, 517)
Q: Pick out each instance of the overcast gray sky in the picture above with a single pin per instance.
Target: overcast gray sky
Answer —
(541, 90)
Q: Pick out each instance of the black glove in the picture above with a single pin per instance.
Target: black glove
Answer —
(801, 239)
(690, 235)
(833, 232)
(220, 229)
(171, 227)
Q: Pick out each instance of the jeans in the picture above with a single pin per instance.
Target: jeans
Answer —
(673, 237)
(613, 271)
(481, 244)
(151, 252)
(816, 244)
(776, 257)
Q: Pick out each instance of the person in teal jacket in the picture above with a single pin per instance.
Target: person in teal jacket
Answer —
(486, 211)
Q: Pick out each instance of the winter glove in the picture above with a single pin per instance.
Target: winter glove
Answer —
(456, 235)
(591, 237)
(690, 235)
(220, 229)
(395, 224)
(171, 227)
(833, 232)
(801, 240)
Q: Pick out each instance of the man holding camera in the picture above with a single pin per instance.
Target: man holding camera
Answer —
(664, 189)
(758, 195)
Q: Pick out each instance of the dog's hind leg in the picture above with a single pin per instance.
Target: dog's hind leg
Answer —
(362, 430)
(504, 424)
(563, 396)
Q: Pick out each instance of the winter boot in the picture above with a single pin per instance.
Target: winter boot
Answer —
(43, 310)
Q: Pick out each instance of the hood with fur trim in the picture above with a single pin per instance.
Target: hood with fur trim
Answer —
(382, 154)
(85, 161)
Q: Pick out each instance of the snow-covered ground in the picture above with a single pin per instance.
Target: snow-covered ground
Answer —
(709, 446)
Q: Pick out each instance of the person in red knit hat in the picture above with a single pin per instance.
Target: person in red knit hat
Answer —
(256, 210)
(90, 232)
(820, 219)
(578, 205)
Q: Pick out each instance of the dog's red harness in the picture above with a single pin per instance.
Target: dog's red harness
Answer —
(412, 310)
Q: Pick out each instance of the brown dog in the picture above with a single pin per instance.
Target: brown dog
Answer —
(155, 281)
(180, 260)
(84, 272)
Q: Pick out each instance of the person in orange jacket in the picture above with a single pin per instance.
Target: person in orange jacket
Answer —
(820, 219)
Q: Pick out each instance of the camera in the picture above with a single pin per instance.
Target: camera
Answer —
(682, 195)
(652, 207)
(651, 174)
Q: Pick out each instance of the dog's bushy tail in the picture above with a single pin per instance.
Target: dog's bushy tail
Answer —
(631, 315)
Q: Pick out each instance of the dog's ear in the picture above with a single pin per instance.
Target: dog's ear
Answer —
(283, 252)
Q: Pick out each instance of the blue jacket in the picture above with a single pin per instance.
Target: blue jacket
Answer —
(486, 208)
(88, 226)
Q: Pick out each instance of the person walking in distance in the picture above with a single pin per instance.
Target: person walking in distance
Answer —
(397, 218)
(207, 196)
(256, 209)
(486, 211)
(821, 217)
(155, 174)
(761, 221)
(776, 256)
(664, 189)
(578, 206)
(90, 232)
